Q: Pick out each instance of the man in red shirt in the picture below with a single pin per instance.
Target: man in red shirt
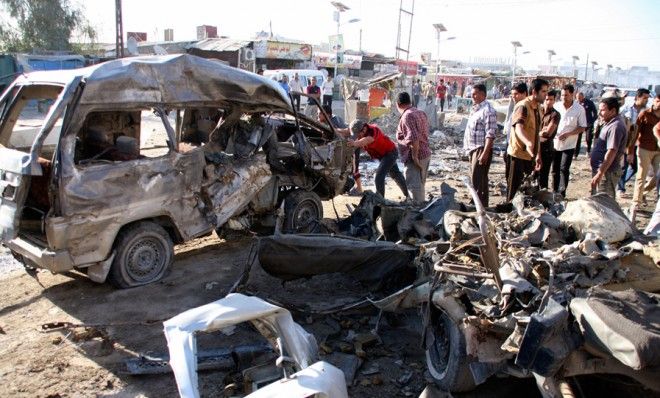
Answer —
(372, 139)
(441, 93)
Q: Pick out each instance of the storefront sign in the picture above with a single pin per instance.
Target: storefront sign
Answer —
(328, 60)
(281, 50)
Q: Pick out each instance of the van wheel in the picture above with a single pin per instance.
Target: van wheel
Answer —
(446, 356)
(302, 212)
(144, 253)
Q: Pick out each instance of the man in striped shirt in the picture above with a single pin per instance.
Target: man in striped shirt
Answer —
(478, 140)
(412, 135)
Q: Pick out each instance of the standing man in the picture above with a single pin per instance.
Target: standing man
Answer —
(412, 135)
(416, 92)
(478, 140)
(441, 93)
(648, 153)
(573, 122)
(296, 88)
(592, 114)
(524, 142)
(608, 148)
(285, 83)
(518, 94)
(468, 91)
(379, 146)
(430, 91)
(549, 127)
(313, 92)
(328, 87)
(630, 112)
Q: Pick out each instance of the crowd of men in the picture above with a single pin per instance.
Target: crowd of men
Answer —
(544, 129)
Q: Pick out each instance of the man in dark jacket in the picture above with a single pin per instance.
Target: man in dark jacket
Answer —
(592, 115)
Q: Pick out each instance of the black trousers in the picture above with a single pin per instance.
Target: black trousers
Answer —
(561, 166)
(327, 100)
(518, 170)
(547, 157)
(479, 174)
(589, 137)
(296, 101)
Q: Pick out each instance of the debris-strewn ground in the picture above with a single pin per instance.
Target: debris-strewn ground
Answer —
(78, 361)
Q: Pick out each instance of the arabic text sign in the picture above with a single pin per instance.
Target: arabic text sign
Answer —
(281, 50)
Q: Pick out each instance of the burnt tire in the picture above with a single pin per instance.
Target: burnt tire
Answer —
(144, 252)
(446, 356)
(302, 212)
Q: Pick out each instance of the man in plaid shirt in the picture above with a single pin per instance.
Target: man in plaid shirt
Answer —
(478, 140)
(412, 135)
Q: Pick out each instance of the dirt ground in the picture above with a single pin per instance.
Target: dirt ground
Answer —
(75, 362)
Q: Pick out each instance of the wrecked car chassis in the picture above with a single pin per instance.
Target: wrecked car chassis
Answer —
(137, 155)
(468, 340)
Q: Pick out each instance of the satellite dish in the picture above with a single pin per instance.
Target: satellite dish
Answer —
(131, 46)
(160, 50)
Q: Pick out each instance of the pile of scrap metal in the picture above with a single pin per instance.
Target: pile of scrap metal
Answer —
(535, 293)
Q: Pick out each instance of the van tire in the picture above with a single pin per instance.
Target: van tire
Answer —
(302, 212)
(446, 356)
(144, 253)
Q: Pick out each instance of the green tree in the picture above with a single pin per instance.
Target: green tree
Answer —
(42, 25)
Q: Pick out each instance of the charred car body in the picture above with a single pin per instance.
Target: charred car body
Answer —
(136, 155)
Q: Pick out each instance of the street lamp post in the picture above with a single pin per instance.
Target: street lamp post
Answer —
(550, 54)
(593, 70)
(575, 59)
(515, 44)
(439, 28)
(340, 8)
(607, 73)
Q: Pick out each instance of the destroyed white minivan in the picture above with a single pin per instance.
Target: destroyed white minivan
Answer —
(138, 154)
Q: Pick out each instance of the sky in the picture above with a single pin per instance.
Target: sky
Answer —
(621, 33)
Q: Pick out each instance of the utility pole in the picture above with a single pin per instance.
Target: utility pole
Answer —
(399, 49)
(119, 40)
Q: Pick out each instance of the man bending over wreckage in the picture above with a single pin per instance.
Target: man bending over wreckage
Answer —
(378, 146)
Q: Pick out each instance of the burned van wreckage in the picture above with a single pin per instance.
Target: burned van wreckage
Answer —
(138, 154)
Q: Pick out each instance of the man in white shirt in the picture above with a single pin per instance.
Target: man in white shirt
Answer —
(573, 122)
(295, 86)
(328, 86)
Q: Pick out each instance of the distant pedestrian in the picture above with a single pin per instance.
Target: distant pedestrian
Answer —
(573, 122)
(416, 92)
(549, 126)
(284, 83)
(412, 135)
(524, 142)
(372, 139)
(296, 88)
(630, 113)
(608, 148)
(478, 140)
(328, 89)
(441, 94)
(313, 93)
(260, 72)
(648, 154)
(518, 94)
(592, 114)
(430, 92)
(468, 91)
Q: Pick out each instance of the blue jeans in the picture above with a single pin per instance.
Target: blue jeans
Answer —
(628, 171)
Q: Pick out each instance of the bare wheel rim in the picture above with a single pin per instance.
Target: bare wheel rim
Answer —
(145, 259)
(306, 212)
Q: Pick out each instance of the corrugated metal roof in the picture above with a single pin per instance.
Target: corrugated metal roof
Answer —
(224, 44)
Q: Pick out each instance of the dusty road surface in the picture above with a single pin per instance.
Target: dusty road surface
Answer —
(122, 324)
